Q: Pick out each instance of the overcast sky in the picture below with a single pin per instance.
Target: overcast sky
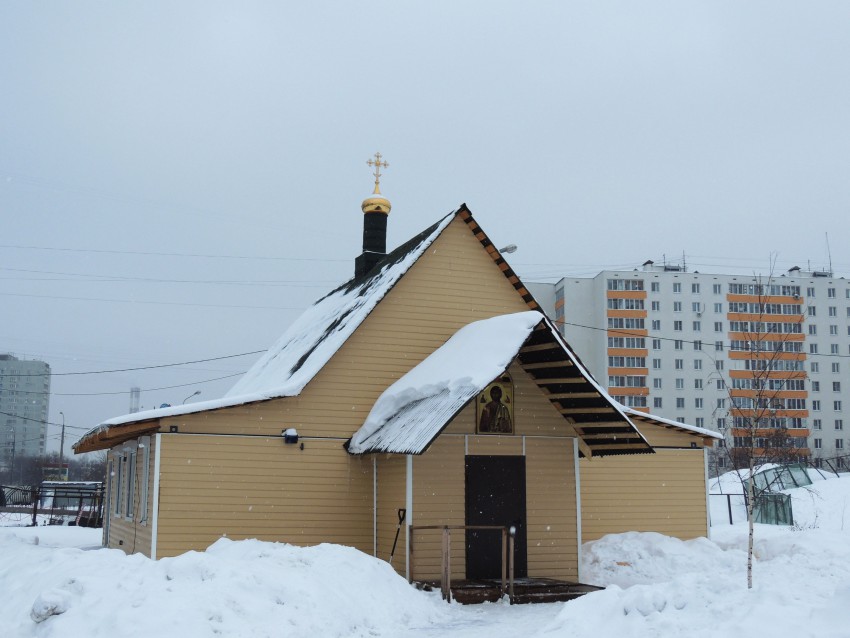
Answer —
(179, 180)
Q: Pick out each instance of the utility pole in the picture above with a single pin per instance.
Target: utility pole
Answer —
(62, 448)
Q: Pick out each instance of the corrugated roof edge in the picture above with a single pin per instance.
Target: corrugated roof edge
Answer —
(676, 424)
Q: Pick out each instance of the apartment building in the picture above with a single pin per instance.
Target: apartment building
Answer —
(686, 344)
(24, 406)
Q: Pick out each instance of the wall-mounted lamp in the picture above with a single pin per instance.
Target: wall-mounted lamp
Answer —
(290, 436)
(172, 428)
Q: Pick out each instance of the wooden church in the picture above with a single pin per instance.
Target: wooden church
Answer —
(427, 393)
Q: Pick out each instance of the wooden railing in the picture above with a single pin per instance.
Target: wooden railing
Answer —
(508, 535)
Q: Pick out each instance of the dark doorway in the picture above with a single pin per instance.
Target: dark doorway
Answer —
(495, 495)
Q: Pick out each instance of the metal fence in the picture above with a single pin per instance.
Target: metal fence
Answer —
(71, 504)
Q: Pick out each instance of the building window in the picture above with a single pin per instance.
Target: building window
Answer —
(721, 423)
(655, 286)
(833, 330)
(833, 311)
(680, 364)
(656, 324)
(680, 384)
(815, 386)
(836, 386)
(697, 326)
(721, 404)
(677, 326)
(697, 384)
(816, 405)
(677, 306)
(716, 289)
(812, 311)
(839, 424)
(680, 402)
(816, 424)
(721, 384)
(145, 445)
(656, 306)
(833, 348)
(656, 383)
(836, 405)
(813, 329)
(810, 292)
(839, 444)
(656, 344)
(718, 326)
(656, 402)
(696, 306)
(818, 444)
(697, 364)
(697, 345)
(678, 344)
(656, 364)
(698, 403)
(695, 289)
(131, 486)
(813, 348)
(814, 367)
(836, 367)
(830, 292)
(718, 346)
(699, 422)
(677, 288)
(718, 308)
(117, 475)
(718, 365)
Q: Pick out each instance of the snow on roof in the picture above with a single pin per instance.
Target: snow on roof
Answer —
(413, 410)
(675, 424)
(316, 335)
(310, 341)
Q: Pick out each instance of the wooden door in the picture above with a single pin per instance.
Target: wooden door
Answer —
(495, 495)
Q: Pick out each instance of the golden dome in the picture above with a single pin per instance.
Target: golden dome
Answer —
(377, 203)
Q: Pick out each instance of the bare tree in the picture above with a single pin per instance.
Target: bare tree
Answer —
(765, 391)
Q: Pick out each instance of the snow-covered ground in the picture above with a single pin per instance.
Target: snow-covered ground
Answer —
(54, 583)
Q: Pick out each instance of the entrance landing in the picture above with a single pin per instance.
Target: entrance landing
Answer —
(526, 590)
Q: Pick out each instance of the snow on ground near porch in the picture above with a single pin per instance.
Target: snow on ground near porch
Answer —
(657, 586)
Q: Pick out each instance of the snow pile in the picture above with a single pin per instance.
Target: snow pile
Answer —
(657, 587)
(235, 588)
(660, 586)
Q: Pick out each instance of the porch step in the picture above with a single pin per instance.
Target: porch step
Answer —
(526, 590)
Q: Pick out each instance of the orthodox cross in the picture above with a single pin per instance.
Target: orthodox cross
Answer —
(378, 164)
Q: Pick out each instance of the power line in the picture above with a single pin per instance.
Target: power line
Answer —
(26, 418)
(157, 303)
(97, 394)
(161, 254)
(163, 365)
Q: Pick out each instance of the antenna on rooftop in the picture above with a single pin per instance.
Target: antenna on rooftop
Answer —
(828, 254)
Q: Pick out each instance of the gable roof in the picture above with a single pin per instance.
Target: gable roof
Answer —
(412, 412)
(310, 342)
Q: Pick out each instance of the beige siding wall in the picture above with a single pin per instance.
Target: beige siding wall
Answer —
(131, 532)
(551, 509)
(258, 487)
(453, 283)
(392, 496)
(662, 492)
(439, 499)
